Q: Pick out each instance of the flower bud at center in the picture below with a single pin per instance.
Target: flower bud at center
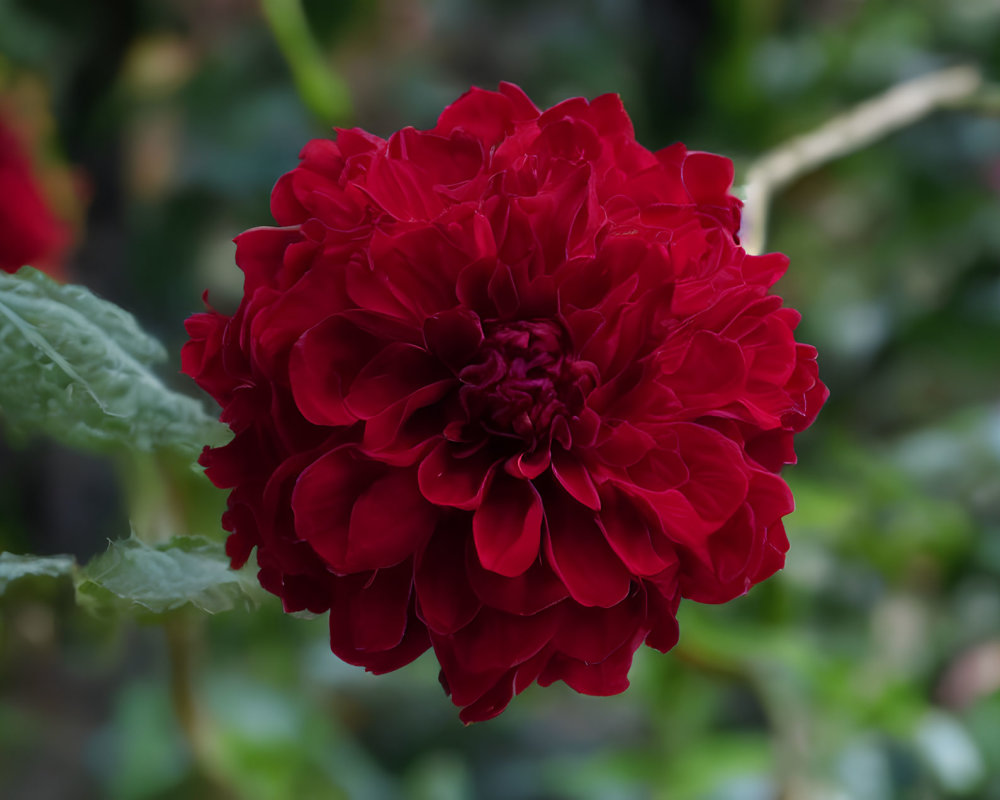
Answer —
(524, 377)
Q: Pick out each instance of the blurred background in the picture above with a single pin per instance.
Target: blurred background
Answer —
(869, 669)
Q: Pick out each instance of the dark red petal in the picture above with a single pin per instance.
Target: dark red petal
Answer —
(447, 480)
(507, 525)
(503, 292)
(492, 702)
(513, 681)
(360, 516)
(415, 642)
(529, 465)
(707, 177)
(713, 370)
(404, 432)
(446, 161)
(398, 371)
(495, 640)
(624, 445)
(322, 501)
(593, 634)
(609, 117)
(323, 363)
(401, 190)
(581, 557)
(486, 115)
(634, 534)
(371, 611)
(662, 602)
(524, 109)
(445, 600)
(453, 336)
(575, 478)
(733, 546)
(718, 474)
(530, 592)
(606, 677)
(259, 253)
(390, 521)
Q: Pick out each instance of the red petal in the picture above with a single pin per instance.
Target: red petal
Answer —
(507, 525)
(415, 642)
(405, 431)
(453, 336)
(718, 476)
(581, 557)
(447, 161)
(593, 634)
(707, 177)
(529, 465)
(575, 479)
(503, 292)
(495, 640)
(713, 370)
(323, 363)
(512, 682)
(445, 600)
(370, 612)
(360, 516)
(260, 253)
(486, 115)
(633, 534)
(609, 117)
(401, 190)
(523, 107)
(394, 374)
(492, 702)
(449, 481)
(390, 521)
(625, 445)
(322, 501)
(607, 677)
(662, 604)
(530, 592)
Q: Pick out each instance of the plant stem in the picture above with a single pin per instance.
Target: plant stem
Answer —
(867, 122)
(322, 90)
(182, 642)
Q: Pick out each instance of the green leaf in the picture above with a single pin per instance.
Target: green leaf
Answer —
(185, 570)
(14, 566)
(78, 368)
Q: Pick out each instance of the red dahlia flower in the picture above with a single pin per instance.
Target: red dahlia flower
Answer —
(29, 231)
(508, 388)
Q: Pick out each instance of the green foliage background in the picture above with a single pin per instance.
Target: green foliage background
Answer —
(868, 670)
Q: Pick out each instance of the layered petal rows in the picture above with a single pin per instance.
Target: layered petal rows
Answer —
(508, 388)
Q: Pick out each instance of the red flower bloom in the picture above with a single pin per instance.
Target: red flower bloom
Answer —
(29, 231)
(508, 388)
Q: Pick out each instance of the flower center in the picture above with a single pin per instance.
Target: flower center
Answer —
(524, 377)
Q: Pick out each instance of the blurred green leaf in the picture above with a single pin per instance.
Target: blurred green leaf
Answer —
(13, 567)
(141, 754)
(186, 570)
(77, 368)
(951, 753)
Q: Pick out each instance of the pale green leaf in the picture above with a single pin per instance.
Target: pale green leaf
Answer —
(13, 566)
(185, 570)
(78, 368)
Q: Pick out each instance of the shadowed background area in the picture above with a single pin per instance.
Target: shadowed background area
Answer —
(869, 669)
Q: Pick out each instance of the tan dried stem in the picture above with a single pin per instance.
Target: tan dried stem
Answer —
(182, 634)
(867, 122)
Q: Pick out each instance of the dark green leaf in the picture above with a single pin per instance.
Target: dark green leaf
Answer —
(186, 570)
(77, 368)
